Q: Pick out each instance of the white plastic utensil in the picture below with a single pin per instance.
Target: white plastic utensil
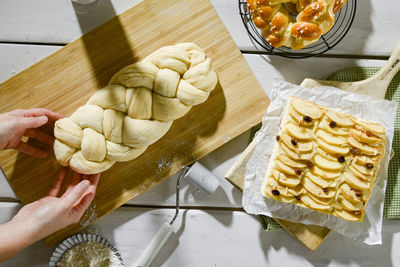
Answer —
(154, 246)
(84, 2)
(201, 177)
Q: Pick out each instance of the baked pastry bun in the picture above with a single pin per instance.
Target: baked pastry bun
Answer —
(294, 23)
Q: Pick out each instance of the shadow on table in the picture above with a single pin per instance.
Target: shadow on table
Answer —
(164, 253)
(171, 244)
(336, 249)
(116, 49)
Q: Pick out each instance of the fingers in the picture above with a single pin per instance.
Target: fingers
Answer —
(39, 135)
(94, 179)
(31, 150)
(30, 122)
(37, 112)
(83, 204)
(76, 178)
(55, 189)
(73, 195)
(32, 115)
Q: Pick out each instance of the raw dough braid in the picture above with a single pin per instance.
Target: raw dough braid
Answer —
(280, 28)
(135, 110)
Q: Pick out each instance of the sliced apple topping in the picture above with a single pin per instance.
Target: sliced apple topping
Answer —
(316, 190)
(326, 160)
(291, 181)
(340, 119)
(305, 108)
(289, 199)
(358, 174)
(330, 138)
(364, 160)
(301, 146)
(296, 191)
(314, 205)
(301, 133)
(325, 173)
(356, 182)
(276, 190)
(327, 164)
(284, 168)
(336, 130)
(319, 180)
(322, 201)
(363, 169)
(365, 149)
(348, 215)
(290, 162)
(336, 150)
(373, 127)
(364, 138)
(292, 154)
(290, 119)
(294, 114)
(325, 154)
(348, 193)
(347, 205)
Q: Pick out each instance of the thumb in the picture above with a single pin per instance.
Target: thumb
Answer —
(31, 122)
(83, 204)
(72, 196)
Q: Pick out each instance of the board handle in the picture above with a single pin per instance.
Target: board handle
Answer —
(154, 246)
(390, 69)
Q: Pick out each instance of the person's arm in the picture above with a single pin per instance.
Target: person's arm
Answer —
(20, 234)
(49, 214)
(30, 123)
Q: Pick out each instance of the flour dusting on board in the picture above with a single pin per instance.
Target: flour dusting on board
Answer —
(162, 167)
(89, 216)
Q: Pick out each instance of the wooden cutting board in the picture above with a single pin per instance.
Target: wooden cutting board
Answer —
(65, 80)
(312, 236)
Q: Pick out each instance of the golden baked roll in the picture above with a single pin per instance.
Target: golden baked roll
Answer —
(324, 160)
(294, 23)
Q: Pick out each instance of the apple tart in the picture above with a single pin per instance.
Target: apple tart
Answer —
(324, 160)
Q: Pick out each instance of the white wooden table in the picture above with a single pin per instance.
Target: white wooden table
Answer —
(211, 231)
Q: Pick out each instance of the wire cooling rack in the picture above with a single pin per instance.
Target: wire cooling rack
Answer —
(343, 20)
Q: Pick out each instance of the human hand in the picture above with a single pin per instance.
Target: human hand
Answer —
(52, 213)
(26, 122)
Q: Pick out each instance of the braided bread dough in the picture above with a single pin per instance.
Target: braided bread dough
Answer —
(135, 110)
(280, 28)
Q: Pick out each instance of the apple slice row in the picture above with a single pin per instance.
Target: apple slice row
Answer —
(324, 160)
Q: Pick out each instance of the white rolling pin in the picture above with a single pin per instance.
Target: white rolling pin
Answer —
(84, 2)
(154, 246)
(202, 178)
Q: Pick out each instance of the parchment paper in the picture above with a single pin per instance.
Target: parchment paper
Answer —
(364, 107)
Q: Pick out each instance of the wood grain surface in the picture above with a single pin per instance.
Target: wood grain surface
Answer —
(66, 79)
